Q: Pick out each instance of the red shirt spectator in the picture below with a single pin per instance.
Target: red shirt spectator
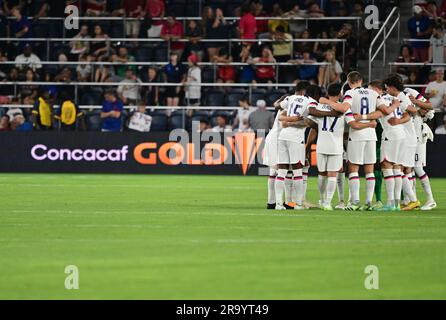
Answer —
(155, 9)
(131, 6)
(96, 7)
(173, 30)
(248, 25)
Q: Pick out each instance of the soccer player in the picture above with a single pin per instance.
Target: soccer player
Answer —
(395, 87)
(330, 145)
(362, 143)
(424, 113)
(292, 142)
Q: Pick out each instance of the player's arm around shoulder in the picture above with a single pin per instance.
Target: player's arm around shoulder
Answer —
(341, 107)
(404, 119)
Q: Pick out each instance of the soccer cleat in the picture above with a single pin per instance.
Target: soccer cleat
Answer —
(279, 207)
(340, 206)
(415, 205)
(352, 207)
(289, 206)
(270, 206)
(299, 207)
(428, 206)
(309, 205)
(366, 207)
(377, 205)
(386, 208)
(327, 208)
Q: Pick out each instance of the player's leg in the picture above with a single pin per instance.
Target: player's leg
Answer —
(389, 182)
(420, 163)
(398, 177)
(289, 189)
(341, 189)
(356, 159)
(297, 157)
(322, 178)
(272, 189)
(282, 171)
(378, 177)
(408, 190)
(369, 169)
(334, 163)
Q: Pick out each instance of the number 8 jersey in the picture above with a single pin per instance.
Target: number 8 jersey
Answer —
(363, 101)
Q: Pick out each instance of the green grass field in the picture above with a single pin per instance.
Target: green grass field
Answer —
(193, 237)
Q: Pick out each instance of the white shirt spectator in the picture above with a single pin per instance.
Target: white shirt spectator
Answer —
(221, 129)
(243, 117)
(32, 62)
(129, 90)
(439, 91)
(193, 92)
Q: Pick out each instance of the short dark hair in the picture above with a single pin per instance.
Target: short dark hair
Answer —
(377, 84)
(314, 92)
(280, 29)
(302, 86)
(334, 90)
(354, 77)
(395, 81)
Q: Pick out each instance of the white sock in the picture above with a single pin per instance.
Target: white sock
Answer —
(354, 185)
(331, 189)
(322, 185)
(425, 183)
(289, 192)
(389, 182)
(370, 187)
(341, 186)
(298, 183)
(398, 175)
(280, 186)
(413, 179)
(272, 186)
(305, 171)
(407, 187)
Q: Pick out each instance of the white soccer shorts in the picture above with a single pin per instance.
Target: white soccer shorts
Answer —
(362, 152)
(392, 150)
(329, 162)
(291, 152)
(271, 151)
(420, 156)
(408, 156)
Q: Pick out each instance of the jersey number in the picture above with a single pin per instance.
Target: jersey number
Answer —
(364, 106)
(332, 127)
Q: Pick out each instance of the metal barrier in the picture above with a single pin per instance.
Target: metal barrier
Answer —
(385, 33)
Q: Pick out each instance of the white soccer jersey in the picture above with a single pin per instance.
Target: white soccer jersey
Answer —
(296, 106)
(330, 138)
(363, 101)
(392, 132)
(418, 120)
(411, 135)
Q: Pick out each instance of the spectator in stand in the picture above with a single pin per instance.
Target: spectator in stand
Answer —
(111, 112)
(123, 56)
(174, 72)
(323, 46)
(36, 9)
(140, 121)
(300, 47)
(306, 71)
(78, 45)
(225, 73)
(315, 11)
(420, 28)
(21, 27)
(42, 114)
(282, 45)
(332, 73)
(215, 29)
(28, 60)
(84, 70)
(193, 79)
(28, 93)
(173, 31)
(194, 33)
(152, 93)
(265, 73)
(436, 91)
(105, 73)
(261, 119)
(442, 11)
(69, 114)
(431, 11)
(222, 124)
(4, 123)
(277, 13)
(441, 130)
(96, 8)
(129, 90)
(406, 56)
(241, 116)
(247, 72)
(133, 10)
(261, 24)
(296, 26)
(155, 9)
(13, 76)
(437, 48)
(350, 58)
(20, 124)
(100, 49)
(247, 24)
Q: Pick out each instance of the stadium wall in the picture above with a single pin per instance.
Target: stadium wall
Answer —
(153, 153)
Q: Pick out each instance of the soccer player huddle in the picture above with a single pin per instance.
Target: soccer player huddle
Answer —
(381, 129)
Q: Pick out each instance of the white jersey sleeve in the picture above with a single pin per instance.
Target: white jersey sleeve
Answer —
(409, 127)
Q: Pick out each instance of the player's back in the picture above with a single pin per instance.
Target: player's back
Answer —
(392, 132)
(330, 132)
(296, 105)
(409, 126)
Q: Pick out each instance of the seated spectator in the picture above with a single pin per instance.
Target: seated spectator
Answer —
(105, 73)
(265, 73)
(437, 46)
(441, 130)
(300, 47)
(247, 73)
(129, 90)
(174, 72)
(111, 112)
(204, 126)
(100, 49)
(194, 33)
(296, 26)
(419, 28)
(4, 123)
(225, 73)
(84, 70)
(28, 93)
(14, 112)
(96, 8)
(406, 56)
(21, 27)
(282, 45)
(277, 13)
(247, 24)
(42, 114)
(307, 71)
(65, 75)
(261, 119)
(133, 10)
(20, 124)
(215, 26)
(193, 91)
(332, 73)
(123, 56)
(78, 45)
(241, 115)
(152, 93)
(140, 121)
(222, 124)
(436, 91)
(28, 60)
(69, 114)
(323, 46)
(173, 31)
